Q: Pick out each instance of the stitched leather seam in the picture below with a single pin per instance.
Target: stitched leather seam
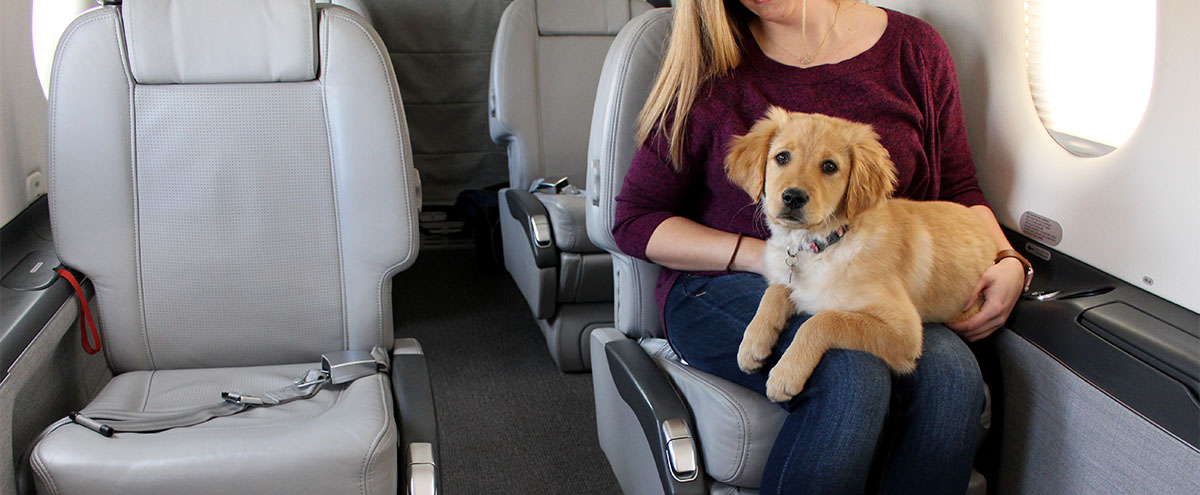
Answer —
(617, 297)
(134, 55)
(146, 394)
(337, 210)
(737, 408)
(40, 468)
(569, 239)
(137, 243)
(377, 443)
(99, 14)
(583, 268)
(312, 44)
(100, 313)
(618, 97)
(609, 213)
(118, 33)
(637, 299)
(397, 115)
(53, 110)
(493, 86)
(537, 111)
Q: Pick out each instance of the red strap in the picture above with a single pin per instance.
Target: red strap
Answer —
(85, 315)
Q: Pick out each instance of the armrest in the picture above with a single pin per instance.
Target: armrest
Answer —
(413, 397)
(1134, 346)
(664, 417)
(535, 221)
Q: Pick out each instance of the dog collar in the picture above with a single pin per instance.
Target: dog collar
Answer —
(815, 246)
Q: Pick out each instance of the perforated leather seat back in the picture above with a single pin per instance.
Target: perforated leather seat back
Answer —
(240, 191)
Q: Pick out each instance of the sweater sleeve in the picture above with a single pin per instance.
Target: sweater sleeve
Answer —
(958, 182)
(653, 191)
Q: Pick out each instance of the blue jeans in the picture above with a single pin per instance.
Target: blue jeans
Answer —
(918, 432)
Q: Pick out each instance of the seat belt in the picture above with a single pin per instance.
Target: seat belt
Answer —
(85, 314)
(336, 368)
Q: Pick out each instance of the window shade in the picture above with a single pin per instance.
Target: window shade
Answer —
(1090, 65)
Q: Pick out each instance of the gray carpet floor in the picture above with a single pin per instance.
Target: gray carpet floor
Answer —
(509, 422)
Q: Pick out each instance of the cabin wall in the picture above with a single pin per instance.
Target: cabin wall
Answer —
(1131, 213)
(22, 110)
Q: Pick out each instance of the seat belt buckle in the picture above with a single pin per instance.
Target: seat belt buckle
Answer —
(347, 366)
(237, 398)
(554, 185)
(91, 424)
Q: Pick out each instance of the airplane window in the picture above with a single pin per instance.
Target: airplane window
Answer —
(49, 19)
(1091, 63)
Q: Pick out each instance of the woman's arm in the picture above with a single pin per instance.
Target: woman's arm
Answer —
(683, 244)
(1000, 286)
(648, 226)
(649, 222)
(988, 219)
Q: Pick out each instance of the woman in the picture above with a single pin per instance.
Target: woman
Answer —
(727, 62)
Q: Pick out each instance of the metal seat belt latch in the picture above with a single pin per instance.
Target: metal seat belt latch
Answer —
(90, 424)
(347, 366)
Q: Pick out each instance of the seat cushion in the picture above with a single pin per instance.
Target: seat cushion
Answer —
(569, 221)
(343, 440)
(736, 426)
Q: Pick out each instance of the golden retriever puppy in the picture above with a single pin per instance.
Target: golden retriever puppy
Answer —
(869, 268)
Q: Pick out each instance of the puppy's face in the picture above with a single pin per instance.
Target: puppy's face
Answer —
(810, 170)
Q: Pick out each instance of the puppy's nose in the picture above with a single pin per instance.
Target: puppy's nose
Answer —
(795, 198)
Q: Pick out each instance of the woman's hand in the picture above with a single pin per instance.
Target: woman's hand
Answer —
(1000, 287)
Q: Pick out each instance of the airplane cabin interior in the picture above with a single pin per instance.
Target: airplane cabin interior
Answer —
(367, 246)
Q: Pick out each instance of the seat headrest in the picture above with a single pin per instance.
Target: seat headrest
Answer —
(586, 17)
(220, 41)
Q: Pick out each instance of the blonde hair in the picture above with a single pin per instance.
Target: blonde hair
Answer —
(704, 43)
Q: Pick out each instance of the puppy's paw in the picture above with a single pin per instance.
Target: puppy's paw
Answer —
(904, 361)
(755, 348)
(787, 380)
(903, 366)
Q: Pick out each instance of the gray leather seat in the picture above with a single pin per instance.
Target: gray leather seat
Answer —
(665, 427)
(545, 65)
(235, 178)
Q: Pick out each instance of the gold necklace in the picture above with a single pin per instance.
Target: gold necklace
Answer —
(808, 58)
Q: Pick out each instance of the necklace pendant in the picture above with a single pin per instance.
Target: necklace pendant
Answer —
(806, 60)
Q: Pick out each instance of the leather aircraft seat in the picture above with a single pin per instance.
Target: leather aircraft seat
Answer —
(235, 178)
(545, 65)
(664, 426)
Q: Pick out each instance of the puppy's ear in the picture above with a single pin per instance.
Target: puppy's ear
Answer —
(872, 173)
(746, 161)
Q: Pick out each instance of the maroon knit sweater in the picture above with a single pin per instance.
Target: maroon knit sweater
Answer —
(904, 86)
